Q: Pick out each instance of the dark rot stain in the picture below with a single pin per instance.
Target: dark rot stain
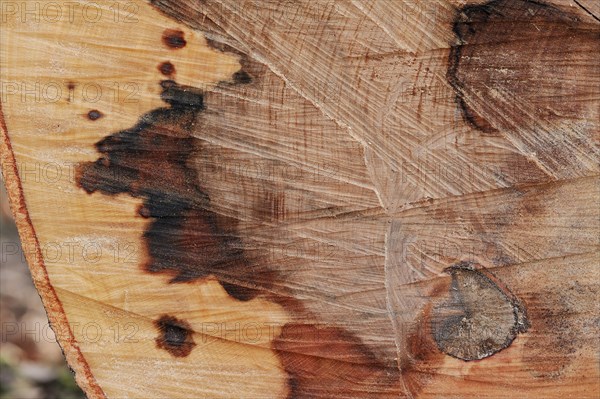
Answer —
(478, 317)
(94, 115)
(506, 67)
(71, 88)
(174, 38)
(185, 239)
(326, 362)
(166, 68)
(175, 336)
(242, 77)
(105, 162)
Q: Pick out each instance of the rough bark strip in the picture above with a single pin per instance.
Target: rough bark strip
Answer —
(56, 314)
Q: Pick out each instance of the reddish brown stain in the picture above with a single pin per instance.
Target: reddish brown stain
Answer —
(188, 240)
(143, 211)
(422, 358)
(175, 336)
(506, 69)
(166, 68)
(327, 362)
(174, 38)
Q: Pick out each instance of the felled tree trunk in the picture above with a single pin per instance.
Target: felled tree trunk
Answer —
(302, 199)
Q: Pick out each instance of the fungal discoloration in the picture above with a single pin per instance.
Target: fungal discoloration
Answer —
(478, 317)
(71, 90)
(174, 336)
(242, 77)
(553, 326)
(166, 68)
(324, 362)
(174, 38)
(94, 115)
(186, 238)
(189, 239)
(504, 68)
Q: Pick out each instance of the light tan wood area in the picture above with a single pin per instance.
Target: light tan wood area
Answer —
(310, 199)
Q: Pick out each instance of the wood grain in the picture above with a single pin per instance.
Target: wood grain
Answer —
(336, 199)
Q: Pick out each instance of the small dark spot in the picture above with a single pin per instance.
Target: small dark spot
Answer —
(242, 77)
(175, 336)
(166, 68)
(173, 38)
(94, 115)
(71, 87)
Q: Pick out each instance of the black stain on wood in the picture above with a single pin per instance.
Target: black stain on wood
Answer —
(94, 115)
(505, 66)
(174, 336)
(478, 317)
(166, 68)
(174, 38)
(71, 89)
(242, 77)
(185, 239)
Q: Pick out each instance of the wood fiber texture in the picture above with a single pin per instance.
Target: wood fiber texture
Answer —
(311, 198)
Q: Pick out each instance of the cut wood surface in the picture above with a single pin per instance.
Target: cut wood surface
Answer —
(311, 199)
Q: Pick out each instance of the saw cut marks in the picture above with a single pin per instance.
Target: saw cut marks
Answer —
(314, 198)
(511, 75)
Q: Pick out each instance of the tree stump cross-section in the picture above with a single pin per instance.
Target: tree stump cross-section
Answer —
(310, 199)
